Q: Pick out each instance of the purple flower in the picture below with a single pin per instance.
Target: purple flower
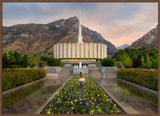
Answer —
(106, 111)
(81, 106)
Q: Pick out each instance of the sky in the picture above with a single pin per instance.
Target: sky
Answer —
(119, 23)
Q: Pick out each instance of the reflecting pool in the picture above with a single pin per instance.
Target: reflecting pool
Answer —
(134, 99)
(28, 99)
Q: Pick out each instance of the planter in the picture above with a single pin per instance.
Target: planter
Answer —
(70, 101)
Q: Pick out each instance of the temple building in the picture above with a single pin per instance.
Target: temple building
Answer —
(80, 51)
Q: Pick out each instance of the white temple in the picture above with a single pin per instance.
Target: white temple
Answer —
(80, 51)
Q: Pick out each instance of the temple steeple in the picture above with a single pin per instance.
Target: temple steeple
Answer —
(80, 30)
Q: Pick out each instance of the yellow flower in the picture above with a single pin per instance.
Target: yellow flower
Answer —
(48, 112)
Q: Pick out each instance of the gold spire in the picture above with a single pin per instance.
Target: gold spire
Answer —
(79, 12)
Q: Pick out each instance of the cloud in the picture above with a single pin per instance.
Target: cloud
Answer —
(120, 23)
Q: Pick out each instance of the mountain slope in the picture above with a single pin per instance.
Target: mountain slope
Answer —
(40, 38)
(123, 46)
(150, 39)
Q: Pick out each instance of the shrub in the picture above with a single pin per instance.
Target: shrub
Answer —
(98, 64)
(53, 61)
(107, 62)
(145, 78)
(16, 77)
(61, 65)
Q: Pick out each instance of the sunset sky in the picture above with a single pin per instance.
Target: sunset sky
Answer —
(119, 23)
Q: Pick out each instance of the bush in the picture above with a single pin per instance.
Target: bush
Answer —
(53, 61)
(107, 62)
(61, 65)
(145, 78)
(98, 64)
(16, 77)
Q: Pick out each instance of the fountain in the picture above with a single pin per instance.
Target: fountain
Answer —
(80, 69)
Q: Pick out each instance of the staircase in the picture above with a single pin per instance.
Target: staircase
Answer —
(76, 71)
(95, 74)
(64, 74)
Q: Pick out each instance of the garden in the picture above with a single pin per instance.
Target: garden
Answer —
(68, 100)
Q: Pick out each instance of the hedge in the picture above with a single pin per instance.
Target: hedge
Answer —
(145, 78)
(15, 77)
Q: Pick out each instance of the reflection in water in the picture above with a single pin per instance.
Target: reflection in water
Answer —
(28, 99)
(127, 95)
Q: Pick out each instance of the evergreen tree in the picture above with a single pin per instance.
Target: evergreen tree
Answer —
(17, 57)
(24, 61)
(11, 58)
(148, 62)
(142, 61)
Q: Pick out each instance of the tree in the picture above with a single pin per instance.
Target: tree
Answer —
(126, 60)
(17, 57)
(11, 58)
(137, 63)
(154, 61)
(107, 62)
(148, 62)
(37, 59)
(24, 61)
(31, 62)
(142, 61)
(5, 61)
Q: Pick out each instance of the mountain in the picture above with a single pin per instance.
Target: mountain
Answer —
(40, 38)
(150, 39)
(123, 46)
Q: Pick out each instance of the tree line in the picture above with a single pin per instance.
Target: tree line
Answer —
(14, 59)
(137, 58)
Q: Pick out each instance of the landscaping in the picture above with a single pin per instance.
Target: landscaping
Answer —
(16, 77)
(145, 78)
(68, 100)
(14, 59)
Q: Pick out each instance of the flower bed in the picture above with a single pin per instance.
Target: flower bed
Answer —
(14, 77)
(145, 78)
(97, 100)
(68, 100)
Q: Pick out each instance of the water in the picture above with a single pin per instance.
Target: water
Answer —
(134, 99)
(28, 99)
